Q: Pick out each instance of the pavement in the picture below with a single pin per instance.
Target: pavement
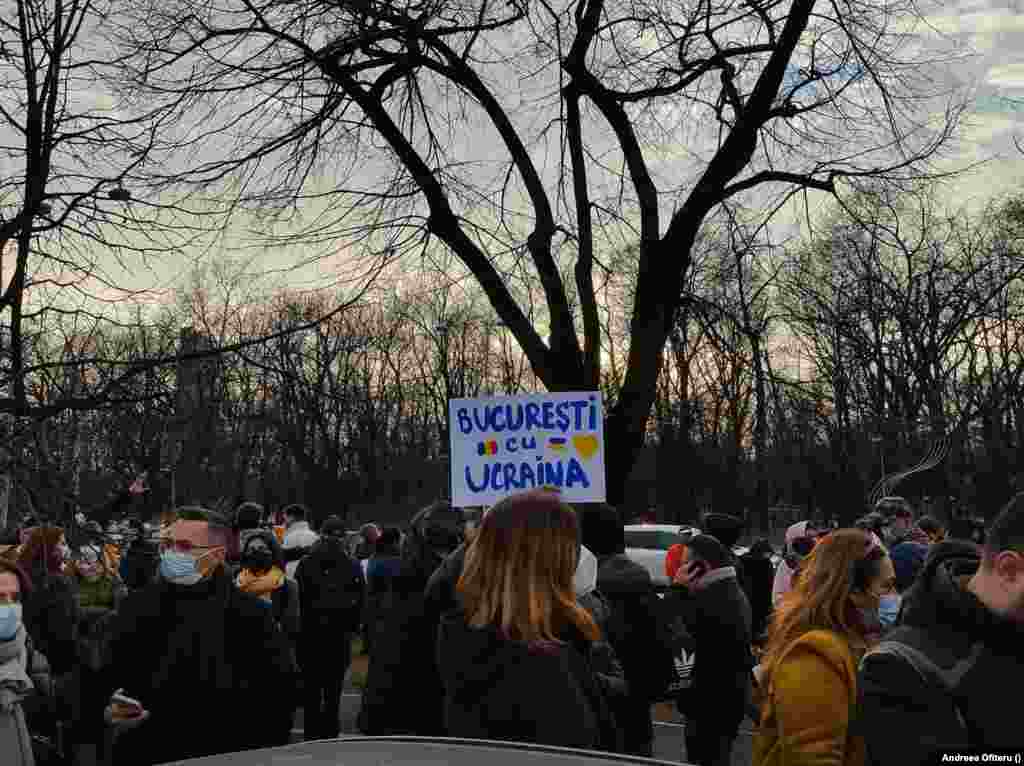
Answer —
(669, 740)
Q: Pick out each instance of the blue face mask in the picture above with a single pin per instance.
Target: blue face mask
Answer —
(10, 621)
(179, 568)
(889, 609)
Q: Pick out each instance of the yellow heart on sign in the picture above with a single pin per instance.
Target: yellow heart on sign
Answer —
(587, 446)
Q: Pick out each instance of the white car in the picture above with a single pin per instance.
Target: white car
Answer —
(648, 544)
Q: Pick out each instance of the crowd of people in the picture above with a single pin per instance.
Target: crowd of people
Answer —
(881, 643)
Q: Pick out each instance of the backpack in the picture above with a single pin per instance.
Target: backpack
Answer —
(945, 679)
(333, 588)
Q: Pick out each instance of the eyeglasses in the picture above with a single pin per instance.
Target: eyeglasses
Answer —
(184, 546)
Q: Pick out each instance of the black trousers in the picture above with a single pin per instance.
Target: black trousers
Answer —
(323, 678)
(709, 745)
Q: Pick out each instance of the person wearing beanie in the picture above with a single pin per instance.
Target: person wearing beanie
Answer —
(724, 528)
(633, 624)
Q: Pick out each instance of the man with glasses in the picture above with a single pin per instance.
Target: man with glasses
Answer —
(201, 664)
(933, 685)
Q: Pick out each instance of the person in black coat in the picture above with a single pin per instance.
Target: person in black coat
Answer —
(715, 609)
(758, 579)
(331, 594)
(53, 611)
(210, 669)
(965, 618)
(515, 656)
(403, 690)
(633, 626)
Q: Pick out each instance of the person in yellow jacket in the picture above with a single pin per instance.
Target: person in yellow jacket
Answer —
(820, 631)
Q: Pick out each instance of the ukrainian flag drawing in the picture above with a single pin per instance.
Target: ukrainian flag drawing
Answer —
(489, 447)
(557, 444)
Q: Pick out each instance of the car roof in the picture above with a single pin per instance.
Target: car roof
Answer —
(407, 751)
(676, 528)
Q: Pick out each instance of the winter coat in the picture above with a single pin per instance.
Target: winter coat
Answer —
(320, 631)
(717, 615)
(440, 593)
(285, 604)
(506, 690)
(634, 631)
(907, 719)
(215, 672)
(809, 706)
(52, 611)
(25, 698)
(403, 690)
(632, 627)
(758, 578)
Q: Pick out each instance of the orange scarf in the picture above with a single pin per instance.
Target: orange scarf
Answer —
(261, 585)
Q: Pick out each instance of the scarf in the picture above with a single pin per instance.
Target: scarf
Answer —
(14, 680)
(716, 575)
(261, 585)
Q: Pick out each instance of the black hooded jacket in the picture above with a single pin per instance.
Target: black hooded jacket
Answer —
(328, 566)
(633, 626)
(403, 689)
(717, 615)
(906, 719)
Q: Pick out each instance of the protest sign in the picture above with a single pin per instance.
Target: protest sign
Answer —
(506, 444)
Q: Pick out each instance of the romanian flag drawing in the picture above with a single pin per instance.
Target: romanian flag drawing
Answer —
(489, 447)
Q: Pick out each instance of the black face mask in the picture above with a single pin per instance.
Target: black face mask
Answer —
(258, 561)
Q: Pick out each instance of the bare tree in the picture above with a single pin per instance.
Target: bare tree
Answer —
(77, 230)
(361, 112)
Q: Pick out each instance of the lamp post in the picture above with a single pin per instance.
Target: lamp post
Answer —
(879, 439)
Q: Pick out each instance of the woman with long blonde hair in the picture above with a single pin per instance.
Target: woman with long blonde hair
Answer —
(515, 659)
(819, 632)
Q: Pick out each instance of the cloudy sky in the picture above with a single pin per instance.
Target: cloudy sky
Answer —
(991, 34)
(986, 37)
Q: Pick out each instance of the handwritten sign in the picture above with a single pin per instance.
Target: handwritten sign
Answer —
(506, 444)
